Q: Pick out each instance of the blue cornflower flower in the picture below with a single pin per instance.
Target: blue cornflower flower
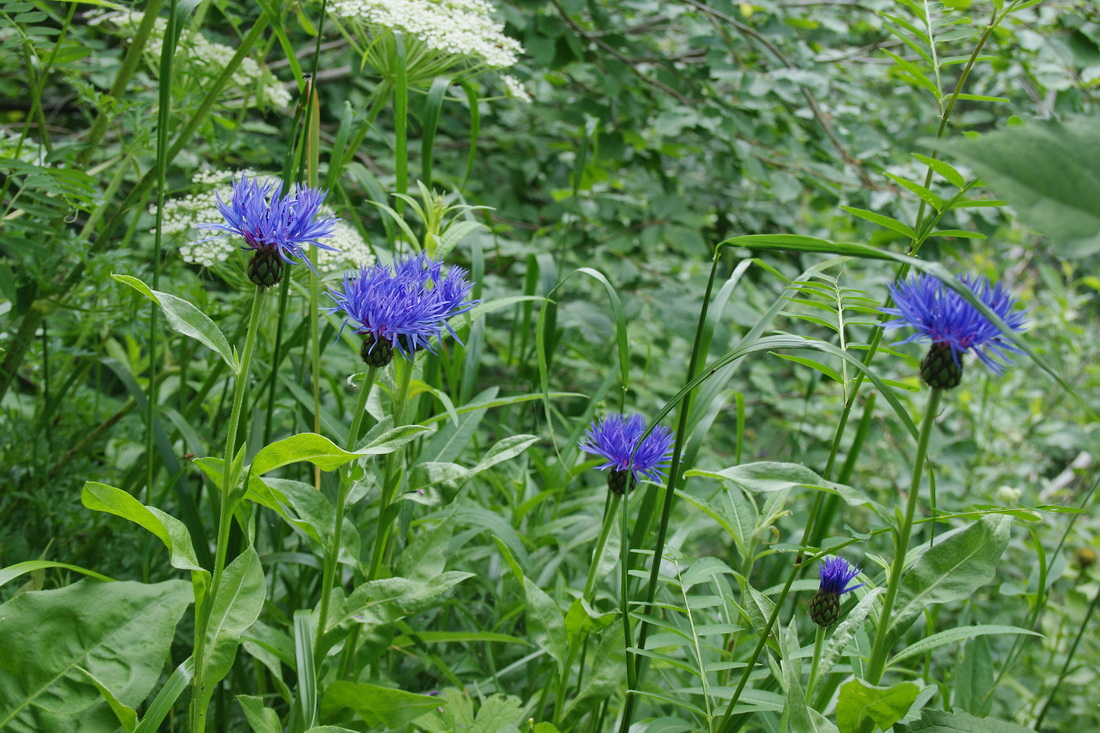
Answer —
(836, 573)
(402, 308)
(954, 326)
(616, 437)
(275, 226)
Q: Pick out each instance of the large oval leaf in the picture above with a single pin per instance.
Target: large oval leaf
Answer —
(53, 641)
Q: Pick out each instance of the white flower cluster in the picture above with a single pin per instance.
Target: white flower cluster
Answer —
(211, 58)
(457, 27)
(183, 215)
(515, 88)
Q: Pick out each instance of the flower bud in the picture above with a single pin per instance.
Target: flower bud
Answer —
(376, 352)
(265, 268)
(940, 368)
(621, 482)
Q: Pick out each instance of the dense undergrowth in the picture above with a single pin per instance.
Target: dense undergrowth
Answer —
(252, 479)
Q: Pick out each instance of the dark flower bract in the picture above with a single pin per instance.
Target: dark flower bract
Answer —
(404, 306)
(270, 222)
(941, 315)
(836, 573)
(616, 437)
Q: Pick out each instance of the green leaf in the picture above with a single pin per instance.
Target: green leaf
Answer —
(545, 622)
(946, 171)
(845, 632)
(237, 605)
(12, 572)
(1046, 170)
(383, 601)
(767, 477)
(166, 698)
(169, 530)
(377, 705)
(937, 721)
(952, 570)
(311, 447)
(119, 633)
(884, 706)
(974, 680)
(882, 221)
(125, 714)
(261, 719)
(185, 318)
(950, 636)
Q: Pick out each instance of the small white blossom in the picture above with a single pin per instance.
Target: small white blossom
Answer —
(515, 88)
(210, 58)
(460, 28)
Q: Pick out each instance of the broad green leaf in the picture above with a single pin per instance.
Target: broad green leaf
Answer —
(124, 713)
(425, 557)
(120, 633)
(938, 721)
(311, 447)
(237, 605)
(169, 530)
(498, 712)
(1046, 170)
(950, 636)
(974, 679)
(261, 719)
(545, 622)
(308, 509)
(952, 570)
(884, 706)
(376, 705)
(185, 318)
(382, 601)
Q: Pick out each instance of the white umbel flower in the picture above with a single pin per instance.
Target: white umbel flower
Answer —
(206, 57)
(463, 29)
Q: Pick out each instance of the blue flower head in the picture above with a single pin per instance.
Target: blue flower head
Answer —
(402, 307)
(616, 437)
(836, 573)
(274, 226)
(954, 326)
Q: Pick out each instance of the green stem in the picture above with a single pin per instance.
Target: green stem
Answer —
(201, 696)
(881, 646)
(404, 369)
(819, 642)
(332, 561)
(578, 641)
(601, 543)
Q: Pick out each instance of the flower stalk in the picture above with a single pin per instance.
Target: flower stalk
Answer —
(881, 645)
(201, 695)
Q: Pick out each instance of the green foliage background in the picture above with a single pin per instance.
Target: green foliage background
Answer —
(654, 131)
